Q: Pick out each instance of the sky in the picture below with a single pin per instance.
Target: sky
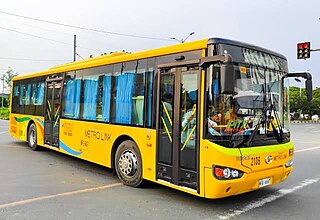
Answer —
(28, 46)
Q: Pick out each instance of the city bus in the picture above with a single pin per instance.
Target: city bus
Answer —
(209, 117)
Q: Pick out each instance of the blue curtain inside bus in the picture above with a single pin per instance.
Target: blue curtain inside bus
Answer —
(106, 98)
(28, 94)
(34, 94)
(193, 95)
(72, 98)
(16, 91)
(215, 87)
(21, 95)
(124, 87)
(90, 99)
(40, 93)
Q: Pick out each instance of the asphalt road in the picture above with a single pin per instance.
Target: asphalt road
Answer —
(50, 185)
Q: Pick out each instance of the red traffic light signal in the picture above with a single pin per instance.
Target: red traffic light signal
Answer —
(303, 50)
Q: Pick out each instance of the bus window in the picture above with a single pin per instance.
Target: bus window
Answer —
(37, 93)
(116, 71)
(15, 97)
(125, 82)
(72, 93)
(138, 94)
(106, 97)
(188, 109)
(90, 98)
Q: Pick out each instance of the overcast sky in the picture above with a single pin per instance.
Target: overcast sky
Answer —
(274, 24)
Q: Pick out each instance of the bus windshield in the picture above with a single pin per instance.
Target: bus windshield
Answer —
(257, 112)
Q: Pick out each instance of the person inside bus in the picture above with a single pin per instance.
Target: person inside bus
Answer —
(213, 121)
(188, 133)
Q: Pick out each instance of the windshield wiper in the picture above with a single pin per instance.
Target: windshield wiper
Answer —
(279, 133)
(255, 131)
(266, 120)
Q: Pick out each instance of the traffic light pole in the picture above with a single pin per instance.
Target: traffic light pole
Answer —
(312, 50)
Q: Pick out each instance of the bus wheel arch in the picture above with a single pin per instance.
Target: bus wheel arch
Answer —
(127, 161)
(32, 138)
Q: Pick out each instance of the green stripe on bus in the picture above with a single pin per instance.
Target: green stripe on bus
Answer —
(22, 119)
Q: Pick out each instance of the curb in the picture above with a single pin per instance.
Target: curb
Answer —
(305, 122)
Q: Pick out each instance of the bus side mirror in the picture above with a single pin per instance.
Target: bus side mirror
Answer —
(309, 89)
(227, 78)
(308, 77)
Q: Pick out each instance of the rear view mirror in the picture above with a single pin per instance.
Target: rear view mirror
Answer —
(308, 77)
(227, 78)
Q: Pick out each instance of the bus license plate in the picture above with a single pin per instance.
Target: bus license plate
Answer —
(264, 182)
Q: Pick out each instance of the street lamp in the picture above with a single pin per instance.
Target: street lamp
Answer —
(298, 80)
(182, 40)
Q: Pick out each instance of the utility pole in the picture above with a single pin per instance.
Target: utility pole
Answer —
(74, 47)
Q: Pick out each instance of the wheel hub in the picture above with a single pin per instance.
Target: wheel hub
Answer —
(128, 163)
(32, 138)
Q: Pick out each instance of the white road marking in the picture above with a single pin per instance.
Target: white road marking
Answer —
(307, 149)
(37, 199)
(3, 132)
(270, 198)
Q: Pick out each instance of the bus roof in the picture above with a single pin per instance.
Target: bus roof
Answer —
(242, 44)
(119, 57)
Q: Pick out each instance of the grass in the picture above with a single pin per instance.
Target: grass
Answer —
(4, 113)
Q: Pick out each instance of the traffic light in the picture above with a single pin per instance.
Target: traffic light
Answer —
(303, 50)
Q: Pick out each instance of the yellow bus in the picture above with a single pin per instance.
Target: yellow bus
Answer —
(209, 117)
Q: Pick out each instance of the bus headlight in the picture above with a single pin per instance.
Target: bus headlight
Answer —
(289, 163)
(226, 173)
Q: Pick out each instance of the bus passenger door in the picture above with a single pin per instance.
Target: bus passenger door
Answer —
(52, 109)
(177, 125)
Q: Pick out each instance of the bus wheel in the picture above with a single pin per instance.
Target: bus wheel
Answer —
(32, 137)
(128, 163)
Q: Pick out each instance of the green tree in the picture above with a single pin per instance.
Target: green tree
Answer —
(301, 104)
(8, 77)
(5, 101)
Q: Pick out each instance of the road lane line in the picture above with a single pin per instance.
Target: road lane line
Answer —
(23, 202)
(304, 142)
(3, 132)
(274, 196)
(307, 149)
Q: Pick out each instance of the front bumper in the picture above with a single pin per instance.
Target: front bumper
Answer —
(215, 188)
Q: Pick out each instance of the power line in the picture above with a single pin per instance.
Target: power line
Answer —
(85, 28)
(43, 38)
(49, 39)
(13, 20)
(28, 59)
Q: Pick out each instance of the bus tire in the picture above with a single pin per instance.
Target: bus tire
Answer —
(32, 137)
(128, 163)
